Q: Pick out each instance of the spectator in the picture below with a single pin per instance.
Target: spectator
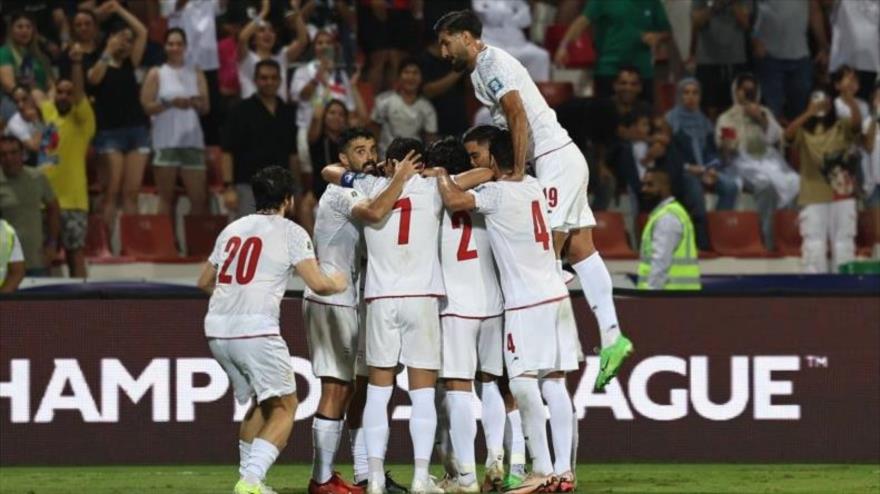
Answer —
(337, 17)
(264, 37)
(11, 259)
(871, 167)
(445, 88)
(828, 178)
(85, 32)
(404, 112)
(174, 95)
(720, 34)
(855, 40)
(24, 192)
(747, 134)
(668, 247)
(227, 75)
(503, 25)
(624, 32)
(387, 31)
(29, 127)
(261, 132)
(315, 84)
(694, 134)
(782, 53)
(123, 138)
(69, 111)
(22, 62)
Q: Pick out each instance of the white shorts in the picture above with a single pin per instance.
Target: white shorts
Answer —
(256, 366)
(471, 345)
(403, 330)
(541, 339)
(564, 175)
(333, 335)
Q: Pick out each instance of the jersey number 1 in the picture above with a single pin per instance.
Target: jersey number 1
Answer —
(462, 220)
(405, 206)
(246, 266)
(541, 235)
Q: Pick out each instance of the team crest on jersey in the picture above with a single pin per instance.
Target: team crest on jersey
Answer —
(495, 85)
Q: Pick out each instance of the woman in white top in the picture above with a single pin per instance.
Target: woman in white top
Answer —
(174, 95)
(264, 38)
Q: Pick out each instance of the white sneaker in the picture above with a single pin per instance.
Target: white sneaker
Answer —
(375, 487)
(426, 486)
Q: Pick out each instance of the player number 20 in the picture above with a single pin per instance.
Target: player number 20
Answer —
(246, 255)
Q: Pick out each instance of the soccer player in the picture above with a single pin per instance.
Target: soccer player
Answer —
(503, 84)
(332, 322)
(540, 340)
(471, 332)
(246, 276)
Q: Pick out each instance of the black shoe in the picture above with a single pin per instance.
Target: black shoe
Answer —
(392, 487)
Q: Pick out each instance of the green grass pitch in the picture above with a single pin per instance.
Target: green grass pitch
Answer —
(617, 478)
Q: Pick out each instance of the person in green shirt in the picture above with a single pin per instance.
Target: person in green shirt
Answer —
(625, 32)
(22, 62)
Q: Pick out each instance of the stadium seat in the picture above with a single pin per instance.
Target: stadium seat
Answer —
(581, 52)
(787, 233)
(201, 231)
(556, 93)
(609, 235)
(641, 222)
(736, 234)
(866, 236)
(148, 238)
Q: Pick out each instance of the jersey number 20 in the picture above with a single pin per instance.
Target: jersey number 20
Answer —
(246, 255)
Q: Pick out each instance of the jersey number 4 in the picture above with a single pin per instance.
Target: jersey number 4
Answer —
(541, 235)
(462, 220)
(246, 255)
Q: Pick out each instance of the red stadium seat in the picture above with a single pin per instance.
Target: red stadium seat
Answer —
(866, 235)
(201, 232)
(556, 93)
(641, 222)
(736, 234)
(148, 237)
(581, 52)
(787, 232)
(609, 235)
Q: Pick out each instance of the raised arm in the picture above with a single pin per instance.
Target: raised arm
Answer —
(76, 73)
(796, 124)
(518, 124)
(139, 45)
(318, 281)
(244, 37)
(301, 42)
(374, 210)
(574, 30)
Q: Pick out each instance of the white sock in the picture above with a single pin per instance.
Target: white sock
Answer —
(325, 442)
(359, 454)
(531, 409)
(561, 412)
(263, 455)
(244, 452)
(514, 430)
(422, 426)
(376, 429)
(575, 438)
(463, 430)
(596, 284)
(493, 419)
(442, 439)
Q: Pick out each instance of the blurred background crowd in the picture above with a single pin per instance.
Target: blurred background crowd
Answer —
(131, 128)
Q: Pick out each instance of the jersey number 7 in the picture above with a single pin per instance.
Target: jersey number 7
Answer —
(247, 256)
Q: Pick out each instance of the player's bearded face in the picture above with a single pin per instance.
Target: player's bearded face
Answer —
(453, 50)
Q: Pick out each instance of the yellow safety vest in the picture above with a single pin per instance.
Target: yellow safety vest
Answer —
(684, 272)
(7, 242)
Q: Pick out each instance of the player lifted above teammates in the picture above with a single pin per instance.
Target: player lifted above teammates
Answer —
(540, 337)
(247, 275)
(503, 84)
(332, 322)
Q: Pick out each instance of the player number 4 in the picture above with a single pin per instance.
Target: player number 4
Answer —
(247, 255)
(510, 346)
(541, 235)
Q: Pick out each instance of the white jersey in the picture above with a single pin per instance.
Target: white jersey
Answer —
(468, 267)
(519, 231)
(402, 250)
(254, 256)
(496, 74)
(338, 242)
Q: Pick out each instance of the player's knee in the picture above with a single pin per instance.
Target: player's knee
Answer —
(580, 245)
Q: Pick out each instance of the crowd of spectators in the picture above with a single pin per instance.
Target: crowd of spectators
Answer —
(774, 99)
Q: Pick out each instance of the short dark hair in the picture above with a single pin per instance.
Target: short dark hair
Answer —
(632, 69)
(176, 30)
(743, 77)
(459, 21)
(408, 62)
(839, 74)
(480, 134)
(11, 138)
(501, 148)
(401, 146)
(631, 118)
(448, 153)
(272, 186)
(351, 134)
(267, 63)
(87, 12)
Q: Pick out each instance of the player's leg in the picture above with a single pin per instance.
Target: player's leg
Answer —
(514, 439)
(561, 422)
(278, 413)
(327, 429)
(250, 426)
(422, 425)
(354, 417)
(491, 365)
(442, 437)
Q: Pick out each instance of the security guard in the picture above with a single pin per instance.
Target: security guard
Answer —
(668, 250)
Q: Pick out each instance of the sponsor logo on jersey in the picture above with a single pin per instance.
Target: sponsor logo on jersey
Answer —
(495, 85)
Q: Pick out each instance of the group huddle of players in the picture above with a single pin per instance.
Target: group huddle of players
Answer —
(463, 284)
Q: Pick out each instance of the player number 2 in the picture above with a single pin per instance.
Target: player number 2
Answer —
(405, 206)
(541, 235)
(247, 256)
(462, 220)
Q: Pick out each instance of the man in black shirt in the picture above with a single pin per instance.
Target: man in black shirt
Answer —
(260, 132)
(446, 88)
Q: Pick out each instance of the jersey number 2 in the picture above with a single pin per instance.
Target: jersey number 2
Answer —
(247, 256)
(541, 235)
(405, 206)
(462, 220)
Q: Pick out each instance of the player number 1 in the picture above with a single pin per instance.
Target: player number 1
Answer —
(541, 235)
(405, 206)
